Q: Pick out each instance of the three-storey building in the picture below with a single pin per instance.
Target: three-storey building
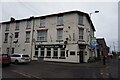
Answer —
(64, 37)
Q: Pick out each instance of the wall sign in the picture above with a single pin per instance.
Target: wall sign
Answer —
(50, 46)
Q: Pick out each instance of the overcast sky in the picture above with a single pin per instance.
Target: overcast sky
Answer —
(105, 22)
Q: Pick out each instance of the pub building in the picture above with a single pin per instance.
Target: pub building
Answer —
(61, 37)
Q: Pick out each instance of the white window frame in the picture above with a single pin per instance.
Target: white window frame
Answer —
(28, 36)
(59, 34)
(42, 35)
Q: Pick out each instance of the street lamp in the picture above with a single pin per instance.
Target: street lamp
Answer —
(93, 12)
(91, 25)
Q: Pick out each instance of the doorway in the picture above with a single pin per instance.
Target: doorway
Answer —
(81, 57)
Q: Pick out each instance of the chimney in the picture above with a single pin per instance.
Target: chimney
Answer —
(12, 19)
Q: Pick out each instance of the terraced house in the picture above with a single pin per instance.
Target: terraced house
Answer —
(63, 37)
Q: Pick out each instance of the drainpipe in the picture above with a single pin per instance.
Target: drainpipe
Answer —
(32, 32)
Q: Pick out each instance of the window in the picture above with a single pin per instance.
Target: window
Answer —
(42, 52)
(42, 35)
(28, 24)
(80, 20)
(48, 52)
(7, 50)
(6, 37)
(15, 55)
(72, 52)
(7, 27)
(17, 26)
(36, 53)
(42, 22)
(27, 36)
(81, 33)
(55, 54)
(60, 20)
(59, 34)
(62, 54)
(16, 34)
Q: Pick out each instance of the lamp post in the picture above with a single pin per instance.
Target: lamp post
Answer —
(91, 25)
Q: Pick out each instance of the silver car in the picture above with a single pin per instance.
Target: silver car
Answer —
(20, 58)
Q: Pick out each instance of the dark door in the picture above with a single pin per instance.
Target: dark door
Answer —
(81, 56)
(12, 50)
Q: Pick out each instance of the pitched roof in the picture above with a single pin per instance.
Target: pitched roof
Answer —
(68, 12)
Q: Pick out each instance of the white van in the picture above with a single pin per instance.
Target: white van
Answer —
(20, 58)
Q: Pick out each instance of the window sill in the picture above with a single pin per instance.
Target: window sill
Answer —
(60, 25)
(59, 40)
(41, 41)
(16, 29)
(27, 41)
(81, 40)
(81, 24)
(42, 27)
(28, 28)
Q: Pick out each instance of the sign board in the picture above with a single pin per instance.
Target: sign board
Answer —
(50, 46)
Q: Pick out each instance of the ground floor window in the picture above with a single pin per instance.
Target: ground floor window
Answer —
(62, 53)
(42, 52)
(48, 52)
(36, 53)
(7, 50)
(72, 52)
(55, 53)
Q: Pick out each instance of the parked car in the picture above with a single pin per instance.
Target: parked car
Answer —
(20, 58)
(5, 59)
(119, 57)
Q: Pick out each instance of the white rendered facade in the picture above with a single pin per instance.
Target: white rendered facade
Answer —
(48, 39)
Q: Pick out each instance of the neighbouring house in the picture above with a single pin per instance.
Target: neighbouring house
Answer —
(62, 37)
(102, 49)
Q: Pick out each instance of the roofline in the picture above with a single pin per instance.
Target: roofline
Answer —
(62, 13)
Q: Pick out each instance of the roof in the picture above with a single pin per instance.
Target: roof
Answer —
(101, 41)
(68, 12)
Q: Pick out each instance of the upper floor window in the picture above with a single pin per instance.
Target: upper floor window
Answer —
(7, 27)
(42, 35)
(80, 19)
(6, 37)
(17, 26)
(81, 33)
(16, 34)
(28, 36)
(42, 22)
(28, 24)
(60, 20)
(59, 34)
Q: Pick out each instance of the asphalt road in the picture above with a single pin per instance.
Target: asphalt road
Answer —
(41, 70)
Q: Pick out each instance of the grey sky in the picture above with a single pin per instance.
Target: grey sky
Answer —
(105, 22)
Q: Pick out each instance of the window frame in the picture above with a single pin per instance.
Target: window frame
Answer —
(59, 34)
(42, 35)
(17, 26)
(27, 37)
(42, 22)
(28, 26)
(60, 20)
(81, 33)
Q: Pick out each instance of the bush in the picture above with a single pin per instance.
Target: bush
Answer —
(92, 59)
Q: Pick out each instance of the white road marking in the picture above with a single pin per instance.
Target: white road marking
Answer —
(25, 74)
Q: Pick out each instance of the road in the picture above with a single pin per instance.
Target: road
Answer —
(41, 70)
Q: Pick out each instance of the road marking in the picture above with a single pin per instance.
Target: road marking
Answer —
(25, 74)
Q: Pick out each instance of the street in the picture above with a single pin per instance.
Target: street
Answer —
(41, 70)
